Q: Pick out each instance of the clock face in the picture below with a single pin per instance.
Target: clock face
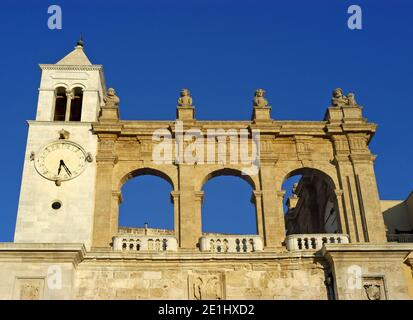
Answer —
(61, 160)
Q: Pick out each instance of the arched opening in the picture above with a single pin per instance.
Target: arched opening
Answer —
(76, 104)
(311, 203)
(60, 104)
(227, 206)
(146, 208)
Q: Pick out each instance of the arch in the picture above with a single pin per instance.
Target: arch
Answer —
(145, 171)
(312, 206)
(307, 170)
(157, 182)
(228, 172)
(61, 84)
(78, 85)
(227, 207)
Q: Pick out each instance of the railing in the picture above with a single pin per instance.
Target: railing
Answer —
(144, 243)
(313, 241)
(231, 244)
(401, 237)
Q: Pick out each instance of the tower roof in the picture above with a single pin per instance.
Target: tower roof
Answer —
(76, 57)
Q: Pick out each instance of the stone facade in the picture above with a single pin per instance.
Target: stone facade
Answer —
(68, 244)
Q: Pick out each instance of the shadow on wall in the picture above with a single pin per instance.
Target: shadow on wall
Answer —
(398, 215)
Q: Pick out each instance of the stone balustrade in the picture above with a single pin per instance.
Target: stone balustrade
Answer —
(231, 244)
(134, 243)
(296, 242)
(401, 237)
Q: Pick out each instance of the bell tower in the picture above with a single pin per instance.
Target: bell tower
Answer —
(56, 202)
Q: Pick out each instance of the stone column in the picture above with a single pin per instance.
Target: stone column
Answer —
(190, 229)
(175, 202)
(106, 202)
(114, 217)
(256, 199)
(343, 219)
(69, 97)
(274, 225)
(368, 198)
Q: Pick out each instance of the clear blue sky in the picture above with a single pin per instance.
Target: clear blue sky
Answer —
(222, 50)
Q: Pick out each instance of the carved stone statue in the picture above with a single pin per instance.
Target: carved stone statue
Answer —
(339, 99)
(111, 100)
(351, 100)
(185, 99)
(259, 100)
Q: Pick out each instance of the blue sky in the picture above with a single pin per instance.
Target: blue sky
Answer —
(222, 50)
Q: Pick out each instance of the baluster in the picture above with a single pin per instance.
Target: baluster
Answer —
(226, 247)
(219, 245)
(300, 243)
(244, 245)
(252, 245)
(306, 243)
(314, 243)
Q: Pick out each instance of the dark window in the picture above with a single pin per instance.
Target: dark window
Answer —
(76, 105)
(60, 104)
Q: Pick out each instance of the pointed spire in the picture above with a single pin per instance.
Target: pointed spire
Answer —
(80, 41)
(77, 56)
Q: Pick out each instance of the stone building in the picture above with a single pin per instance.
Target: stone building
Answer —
(336, 241)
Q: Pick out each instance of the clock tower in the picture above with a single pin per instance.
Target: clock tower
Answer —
(58, 185)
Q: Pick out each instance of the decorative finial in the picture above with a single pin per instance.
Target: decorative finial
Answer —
(80, 41)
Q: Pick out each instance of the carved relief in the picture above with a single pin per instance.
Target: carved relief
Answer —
(303, 144)
(29, 289)
(373, 291)
(206, 287)
(266, 146)
(341, 144)
(358, 143)
(145, 146)
(374, 288)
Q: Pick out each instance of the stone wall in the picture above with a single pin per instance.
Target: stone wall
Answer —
(283, 278)
(68, 271)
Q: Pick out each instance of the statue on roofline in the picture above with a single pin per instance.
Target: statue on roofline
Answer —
(111, 99)
(185, 100)
(259, 100)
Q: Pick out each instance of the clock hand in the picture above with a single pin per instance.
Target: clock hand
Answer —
(66, 169)
(60, 167)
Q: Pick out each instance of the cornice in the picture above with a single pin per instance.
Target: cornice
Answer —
(42, 252)
(95, 67)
